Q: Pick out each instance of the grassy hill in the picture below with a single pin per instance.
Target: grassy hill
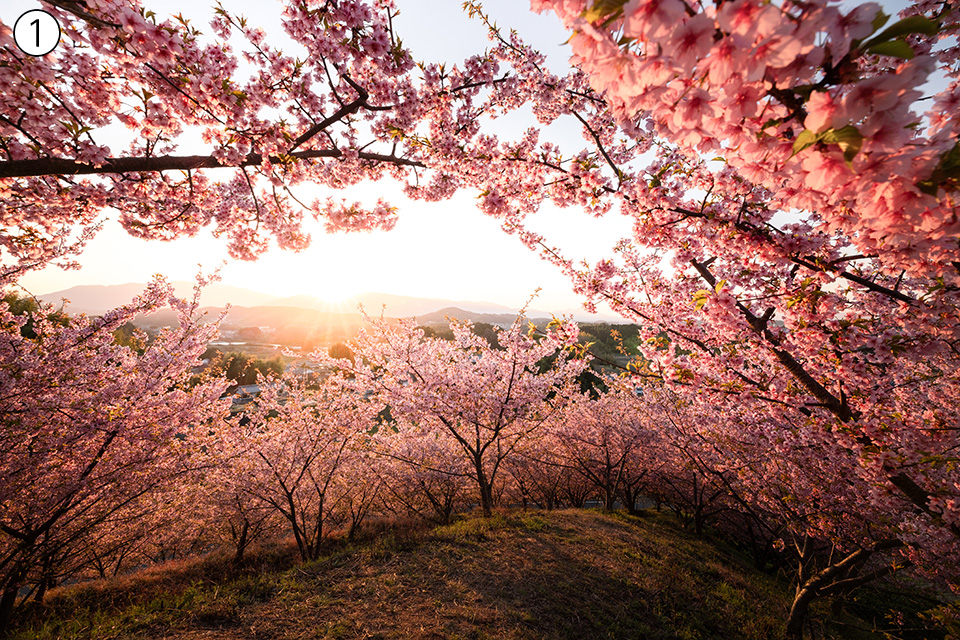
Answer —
(521, 576)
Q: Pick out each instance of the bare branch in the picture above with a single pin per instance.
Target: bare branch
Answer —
(66, 166)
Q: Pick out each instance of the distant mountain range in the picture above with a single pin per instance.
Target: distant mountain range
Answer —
(250, 306)
(94, 299)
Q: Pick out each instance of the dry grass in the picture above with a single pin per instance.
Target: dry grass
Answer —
(519, 576)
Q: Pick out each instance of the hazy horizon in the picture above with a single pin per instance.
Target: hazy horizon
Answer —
(97, 298)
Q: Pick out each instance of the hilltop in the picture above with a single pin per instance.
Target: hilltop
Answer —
(520, 575)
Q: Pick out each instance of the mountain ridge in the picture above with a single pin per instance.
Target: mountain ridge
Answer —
(97, 299)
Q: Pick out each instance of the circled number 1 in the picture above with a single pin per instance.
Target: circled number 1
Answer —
(36, 33)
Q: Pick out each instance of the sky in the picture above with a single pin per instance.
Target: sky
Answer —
(446, 250)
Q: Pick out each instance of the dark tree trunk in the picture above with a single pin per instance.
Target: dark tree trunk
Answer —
(609, 498)
(837, 579)
(699, 519)
(242, 541)
(798, 613)
(486, 488)
(486, 499)
(7, 602)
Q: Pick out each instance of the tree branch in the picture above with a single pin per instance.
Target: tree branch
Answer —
(138, 164)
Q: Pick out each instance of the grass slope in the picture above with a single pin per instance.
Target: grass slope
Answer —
(530, 575)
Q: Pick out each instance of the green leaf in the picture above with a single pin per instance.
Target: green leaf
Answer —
(603, 8)
(910, 25)
(893, 48)
(805, 140)
(951, 159)
(700, 298)
(848, 139)
(656, 181)
(804, 90)
(905, 27)
(719, 286)
(946, 175)
(928, 187)
(880, 20)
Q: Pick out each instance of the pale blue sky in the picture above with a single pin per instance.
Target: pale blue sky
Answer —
(445, 249)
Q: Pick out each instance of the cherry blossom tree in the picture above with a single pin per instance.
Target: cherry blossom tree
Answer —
(538, 473)
(423, 474)
(809, 269)
(175, 525)
(169, 523)
(290, 454)
(361, 484)
(814, 103)
(121, 64)
(810, 499)
(488, 400)
(237, 518)
(92, 429)
(602, 438)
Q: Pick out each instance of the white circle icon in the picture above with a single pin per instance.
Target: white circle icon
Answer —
(36, 33)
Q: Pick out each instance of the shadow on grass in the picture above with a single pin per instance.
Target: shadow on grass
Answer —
(584, 575)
